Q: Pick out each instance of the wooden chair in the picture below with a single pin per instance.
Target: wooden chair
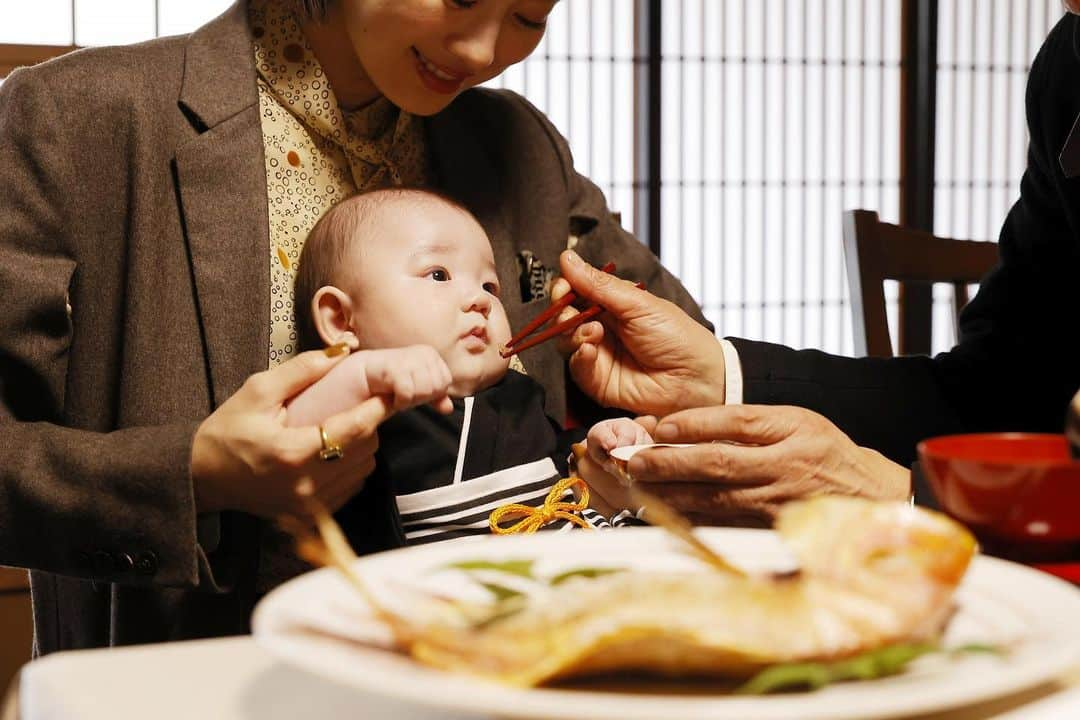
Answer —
(16, 626)
(875, 251)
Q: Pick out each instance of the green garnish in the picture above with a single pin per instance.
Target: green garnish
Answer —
(978, 648)
(521, 568)
(582, 572)
(524, 568)
(501, 592)
(882, 662)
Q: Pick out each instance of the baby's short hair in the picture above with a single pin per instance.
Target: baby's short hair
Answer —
(313, 9)
(326, 249)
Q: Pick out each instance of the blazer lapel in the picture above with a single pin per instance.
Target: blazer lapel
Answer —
(1070, 153)
(221, 185)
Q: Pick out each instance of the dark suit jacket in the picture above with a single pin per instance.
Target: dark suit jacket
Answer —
(418, 450)
(135, 281)
(1017, 362)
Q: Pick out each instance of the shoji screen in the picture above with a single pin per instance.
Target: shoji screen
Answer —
(778, 115)
(582, 77)
(102, 22)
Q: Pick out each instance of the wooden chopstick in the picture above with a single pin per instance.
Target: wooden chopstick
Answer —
(559, 328)
(658, 512)
(554, 309)
(583, 316)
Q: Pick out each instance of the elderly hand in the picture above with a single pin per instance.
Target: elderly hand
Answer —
(245, 457)
(646, 355)
(751, 459)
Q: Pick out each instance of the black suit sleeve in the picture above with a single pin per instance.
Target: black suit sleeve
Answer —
(1018, 360)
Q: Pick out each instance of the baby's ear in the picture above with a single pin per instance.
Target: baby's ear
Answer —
(332, 313)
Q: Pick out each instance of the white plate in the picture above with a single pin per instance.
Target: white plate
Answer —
(625, 452)
(999, 602)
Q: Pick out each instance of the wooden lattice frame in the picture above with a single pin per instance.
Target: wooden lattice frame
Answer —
(13, 56)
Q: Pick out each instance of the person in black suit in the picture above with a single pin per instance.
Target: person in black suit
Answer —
(846, 424)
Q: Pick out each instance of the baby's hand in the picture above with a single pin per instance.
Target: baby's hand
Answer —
(609, 492)
(607, 435)
(411, 375)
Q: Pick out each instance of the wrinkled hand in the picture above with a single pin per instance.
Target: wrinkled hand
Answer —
(783, 453)
(245, 457)
(645, 355)
(405, 376)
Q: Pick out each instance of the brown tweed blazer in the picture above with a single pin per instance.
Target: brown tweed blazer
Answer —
(133, 273)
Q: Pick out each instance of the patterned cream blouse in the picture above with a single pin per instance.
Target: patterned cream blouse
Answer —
(316, 153)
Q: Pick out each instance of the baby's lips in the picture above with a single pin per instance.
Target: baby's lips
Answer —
(620, 459)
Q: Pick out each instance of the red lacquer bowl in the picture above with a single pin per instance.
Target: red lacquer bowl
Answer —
(1018, 492)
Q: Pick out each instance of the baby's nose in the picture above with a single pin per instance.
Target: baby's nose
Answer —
(479, 302)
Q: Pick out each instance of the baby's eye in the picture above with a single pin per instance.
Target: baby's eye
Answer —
(492, 288)
(440, 275)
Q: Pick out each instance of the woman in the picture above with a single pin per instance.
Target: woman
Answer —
(153, 202)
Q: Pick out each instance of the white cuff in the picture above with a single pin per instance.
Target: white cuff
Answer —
(733, 392)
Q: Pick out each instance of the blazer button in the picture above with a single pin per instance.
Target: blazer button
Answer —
(124, 562)
(103, 563)
(146, 563)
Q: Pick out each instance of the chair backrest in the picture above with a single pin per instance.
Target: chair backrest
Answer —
(16, 626)
(875, 251)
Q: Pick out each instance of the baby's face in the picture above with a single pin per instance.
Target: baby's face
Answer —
(427, 275)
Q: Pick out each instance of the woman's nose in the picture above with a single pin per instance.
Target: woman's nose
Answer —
(474, 48)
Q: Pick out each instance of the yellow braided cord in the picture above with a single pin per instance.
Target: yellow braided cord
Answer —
(527, 519)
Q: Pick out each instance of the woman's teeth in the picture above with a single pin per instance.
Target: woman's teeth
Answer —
(431, 68)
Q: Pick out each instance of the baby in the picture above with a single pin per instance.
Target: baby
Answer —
(406, 279)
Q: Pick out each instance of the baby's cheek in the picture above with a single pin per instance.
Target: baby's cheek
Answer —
(499, 326)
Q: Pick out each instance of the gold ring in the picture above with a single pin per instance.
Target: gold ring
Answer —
(330, 450)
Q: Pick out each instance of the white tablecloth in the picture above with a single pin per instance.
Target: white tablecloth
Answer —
(235, 679)
(229, 679)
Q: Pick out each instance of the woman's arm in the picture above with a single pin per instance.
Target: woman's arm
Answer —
(85, 489)
(66, 494)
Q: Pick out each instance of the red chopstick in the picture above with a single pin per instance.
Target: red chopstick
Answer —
(554, 309)
(569, 324)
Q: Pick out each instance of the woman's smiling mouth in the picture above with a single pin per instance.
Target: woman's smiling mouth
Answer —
(437, 78)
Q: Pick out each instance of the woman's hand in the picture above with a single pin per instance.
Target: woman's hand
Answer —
(245, 458)
(646, 355)
(751, 459)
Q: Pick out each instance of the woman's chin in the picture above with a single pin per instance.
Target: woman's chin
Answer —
(420, 101)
